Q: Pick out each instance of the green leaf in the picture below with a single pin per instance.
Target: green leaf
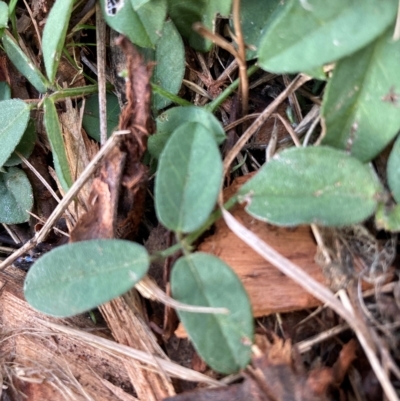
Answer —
(173, 118)
(188, 179)
(388, 218)
(91, 116)
(318, 185)
(138, 3)
(23, 64)
(223, 341)
(255, 22)
(361, 104)
(77, 277)
(25, 146)
(3, 15)
(142, 26)
(393, 170)
(14, 117)
(55, 137)
(54, 34)
(169, 68)
(15, 197)
(308, 34)
(186, 13)
(5, 91)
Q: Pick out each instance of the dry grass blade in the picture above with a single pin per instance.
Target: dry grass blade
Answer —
(69, 196)
(169, 367)
(319, 291)
(295, 84)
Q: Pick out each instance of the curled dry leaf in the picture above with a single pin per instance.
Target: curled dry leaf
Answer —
(118, 193)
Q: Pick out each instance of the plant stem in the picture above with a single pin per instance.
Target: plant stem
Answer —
(192, 237)
(74, 92)
(168, 95)
(213, 106)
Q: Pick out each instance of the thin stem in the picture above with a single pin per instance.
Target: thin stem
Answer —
(192, 237)
(213, 106)
(168, 95)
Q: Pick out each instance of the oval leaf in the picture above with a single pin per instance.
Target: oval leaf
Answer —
(77, 277)
(360, 106)
(142, 26)
(14, 115)
(388, 219)
(185, 14)
(223, 341)
(54, 34)
(23, 64)
(169, 66)
(91, 116)
(393, 170)
(188, 179)
(55, 137)
(308, 34)
(3, 15)
(25, 146)
(5, 91)
(16, 197)
(254, 22)
(318, 185)
(173, 118)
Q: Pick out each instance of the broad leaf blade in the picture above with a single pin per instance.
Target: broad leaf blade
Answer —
(54, 34)
(223, 341)
(3, 15)
(14, 115)
(393, 170)
(91, 116)
(77, 277)
(318, 185)
(173, 118)
(23, 64)
(186, 13)
(388, 219)
(361, 103)
(169, 66)
(25, 146)
(255, 22)
(16, 197)
(188, 179)
(142, 26)
(55, 137)
(309, 34)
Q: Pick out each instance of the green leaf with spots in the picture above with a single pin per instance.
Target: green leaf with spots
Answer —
(142, 25)
(77, 277)
(16, 197)
(318, 185)
(188, 179)
(222, 340)
(307, 34)
(254, 22)
(361, 103)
